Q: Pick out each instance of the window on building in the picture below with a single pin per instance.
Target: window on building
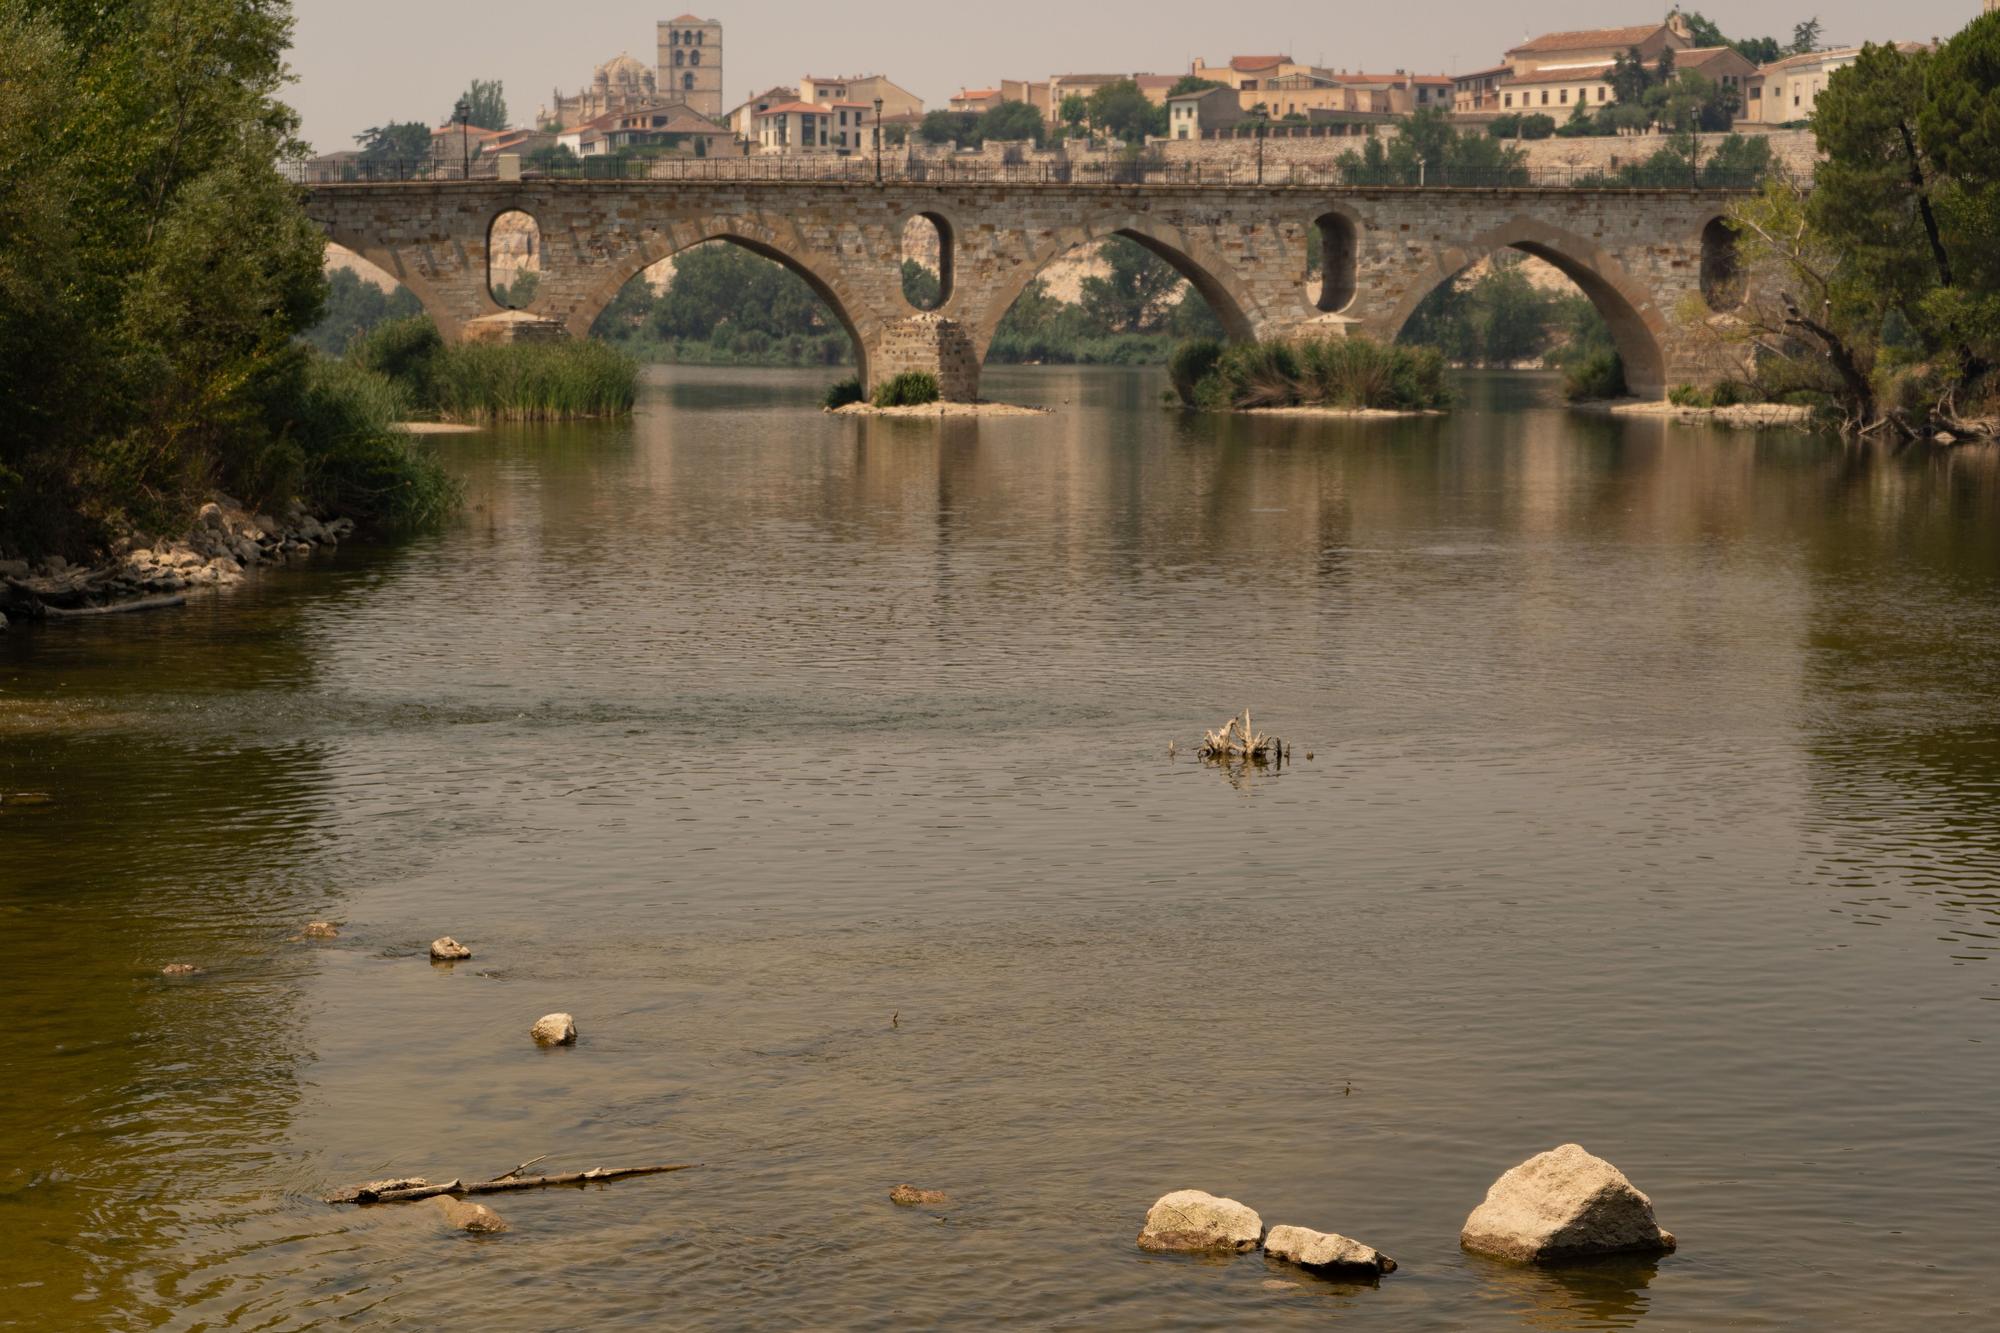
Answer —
(1545, 97)
(1601, 92)
(687, 82)
(1563, 97)
(1510, 99)
(701, 39)
(680, 57)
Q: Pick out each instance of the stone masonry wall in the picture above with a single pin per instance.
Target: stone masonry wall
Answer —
(1636, 253)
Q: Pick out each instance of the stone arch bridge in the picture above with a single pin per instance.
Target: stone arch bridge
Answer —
(1659, 264)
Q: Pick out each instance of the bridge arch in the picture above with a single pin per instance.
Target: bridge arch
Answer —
(1638, 327)
(448, 316)
(1185, 255)
(808, 266)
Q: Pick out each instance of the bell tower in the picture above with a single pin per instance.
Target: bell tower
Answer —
(691, 64)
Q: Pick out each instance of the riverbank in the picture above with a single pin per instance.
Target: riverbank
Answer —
(941, 409)
(1754, 416)
(1358, 413)
(226, 543)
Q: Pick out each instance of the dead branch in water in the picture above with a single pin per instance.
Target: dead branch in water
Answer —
(1237, 739)
(411, 1188)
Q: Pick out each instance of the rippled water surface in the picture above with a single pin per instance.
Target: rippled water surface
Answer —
(820, 768)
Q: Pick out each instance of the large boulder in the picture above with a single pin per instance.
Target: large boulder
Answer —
(1560, 1205)
(1326, 1252)
(445, 949)
(554, 1030)
(1192, 1221)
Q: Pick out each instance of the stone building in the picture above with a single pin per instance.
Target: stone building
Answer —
(691, 64)
(861, 88)
(1559, 70)
(620, 84)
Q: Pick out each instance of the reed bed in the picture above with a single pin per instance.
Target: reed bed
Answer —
(554, 381)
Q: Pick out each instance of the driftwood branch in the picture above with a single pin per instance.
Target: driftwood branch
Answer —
(116, 608)
(412, 1188)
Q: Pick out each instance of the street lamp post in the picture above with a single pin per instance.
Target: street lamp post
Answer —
(878, 141)
(462, 113)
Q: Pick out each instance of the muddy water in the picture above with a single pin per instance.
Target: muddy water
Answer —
(819, 767)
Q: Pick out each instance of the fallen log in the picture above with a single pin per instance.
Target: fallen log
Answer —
(160, 603)
(410, 1189)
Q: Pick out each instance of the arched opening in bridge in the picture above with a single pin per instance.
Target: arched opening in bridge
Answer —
(1334, 251)
(927, 261)
(359, 297)
(1529, 306)
(1123, 300)
(513, 260)
(729, 301)
(1723, 281)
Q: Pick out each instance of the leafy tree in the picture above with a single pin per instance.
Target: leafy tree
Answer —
(353, 307)
(1805, 37)
(164, 347)
(406, 142)
(940, 127)
(1074, 110)
(554, 157)
(1431, 149)
(486, 105)
(1134, 296)
(1629, 77)
(1192, 83)
(1759, 50)
(1123, 110)
(724, 289)
(1703, 30)
(921, 287)
(1011, 122)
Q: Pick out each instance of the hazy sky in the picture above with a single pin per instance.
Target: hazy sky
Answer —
(362, 62)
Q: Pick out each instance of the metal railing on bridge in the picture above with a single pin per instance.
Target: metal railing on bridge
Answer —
(864, 171)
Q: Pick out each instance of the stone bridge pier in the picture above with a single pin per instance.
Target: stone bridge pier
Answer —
(1658, 264)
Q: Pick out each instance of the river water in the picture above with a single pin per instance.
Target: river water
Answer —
(819, 767)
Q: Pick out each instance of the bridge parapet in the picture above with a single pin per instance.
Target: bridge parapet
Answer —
(1646, 258)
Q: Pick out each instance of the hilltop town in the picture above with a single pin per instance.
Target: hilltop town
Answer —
(1678, 73)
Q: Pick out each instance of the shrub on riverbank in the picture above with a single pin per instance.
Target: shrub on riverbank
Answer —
(156, 274)
(843, 392)
(1351, 372)
(912, 388)
(1597, 376)
(356, 459)
(483, 382)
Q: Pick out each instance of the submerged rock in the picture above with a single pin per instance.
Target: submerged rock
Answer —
(1326, 1252)
(555, 1030)
(468, 1216)
(1560, 1205)
(322, 930)
(180, 970)
(1192, 1221)
(909, 1196)
(445, 949)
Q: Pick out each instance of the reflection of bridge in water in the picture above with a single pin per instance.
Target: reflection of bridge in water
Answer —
(1659, 264)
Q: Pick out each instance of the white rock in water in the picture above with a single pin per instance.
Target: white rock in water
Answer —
(555, 1030)
(1194, 1221)
(1560, 1205)
(445, 949)
(180, 970)
(468, 1216)
(1325, 1251)
(322, 930)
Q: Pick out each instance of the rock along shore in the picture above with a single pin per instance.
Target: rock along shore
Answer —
(226, 542)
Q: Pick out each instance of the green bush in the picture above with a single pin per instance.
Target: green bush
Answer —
(1350, 372)
(1599, 375)
(405, 350)
(1190, 364)
(844, 392)
(353, 458)
(912, 388)
(1686, 395)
